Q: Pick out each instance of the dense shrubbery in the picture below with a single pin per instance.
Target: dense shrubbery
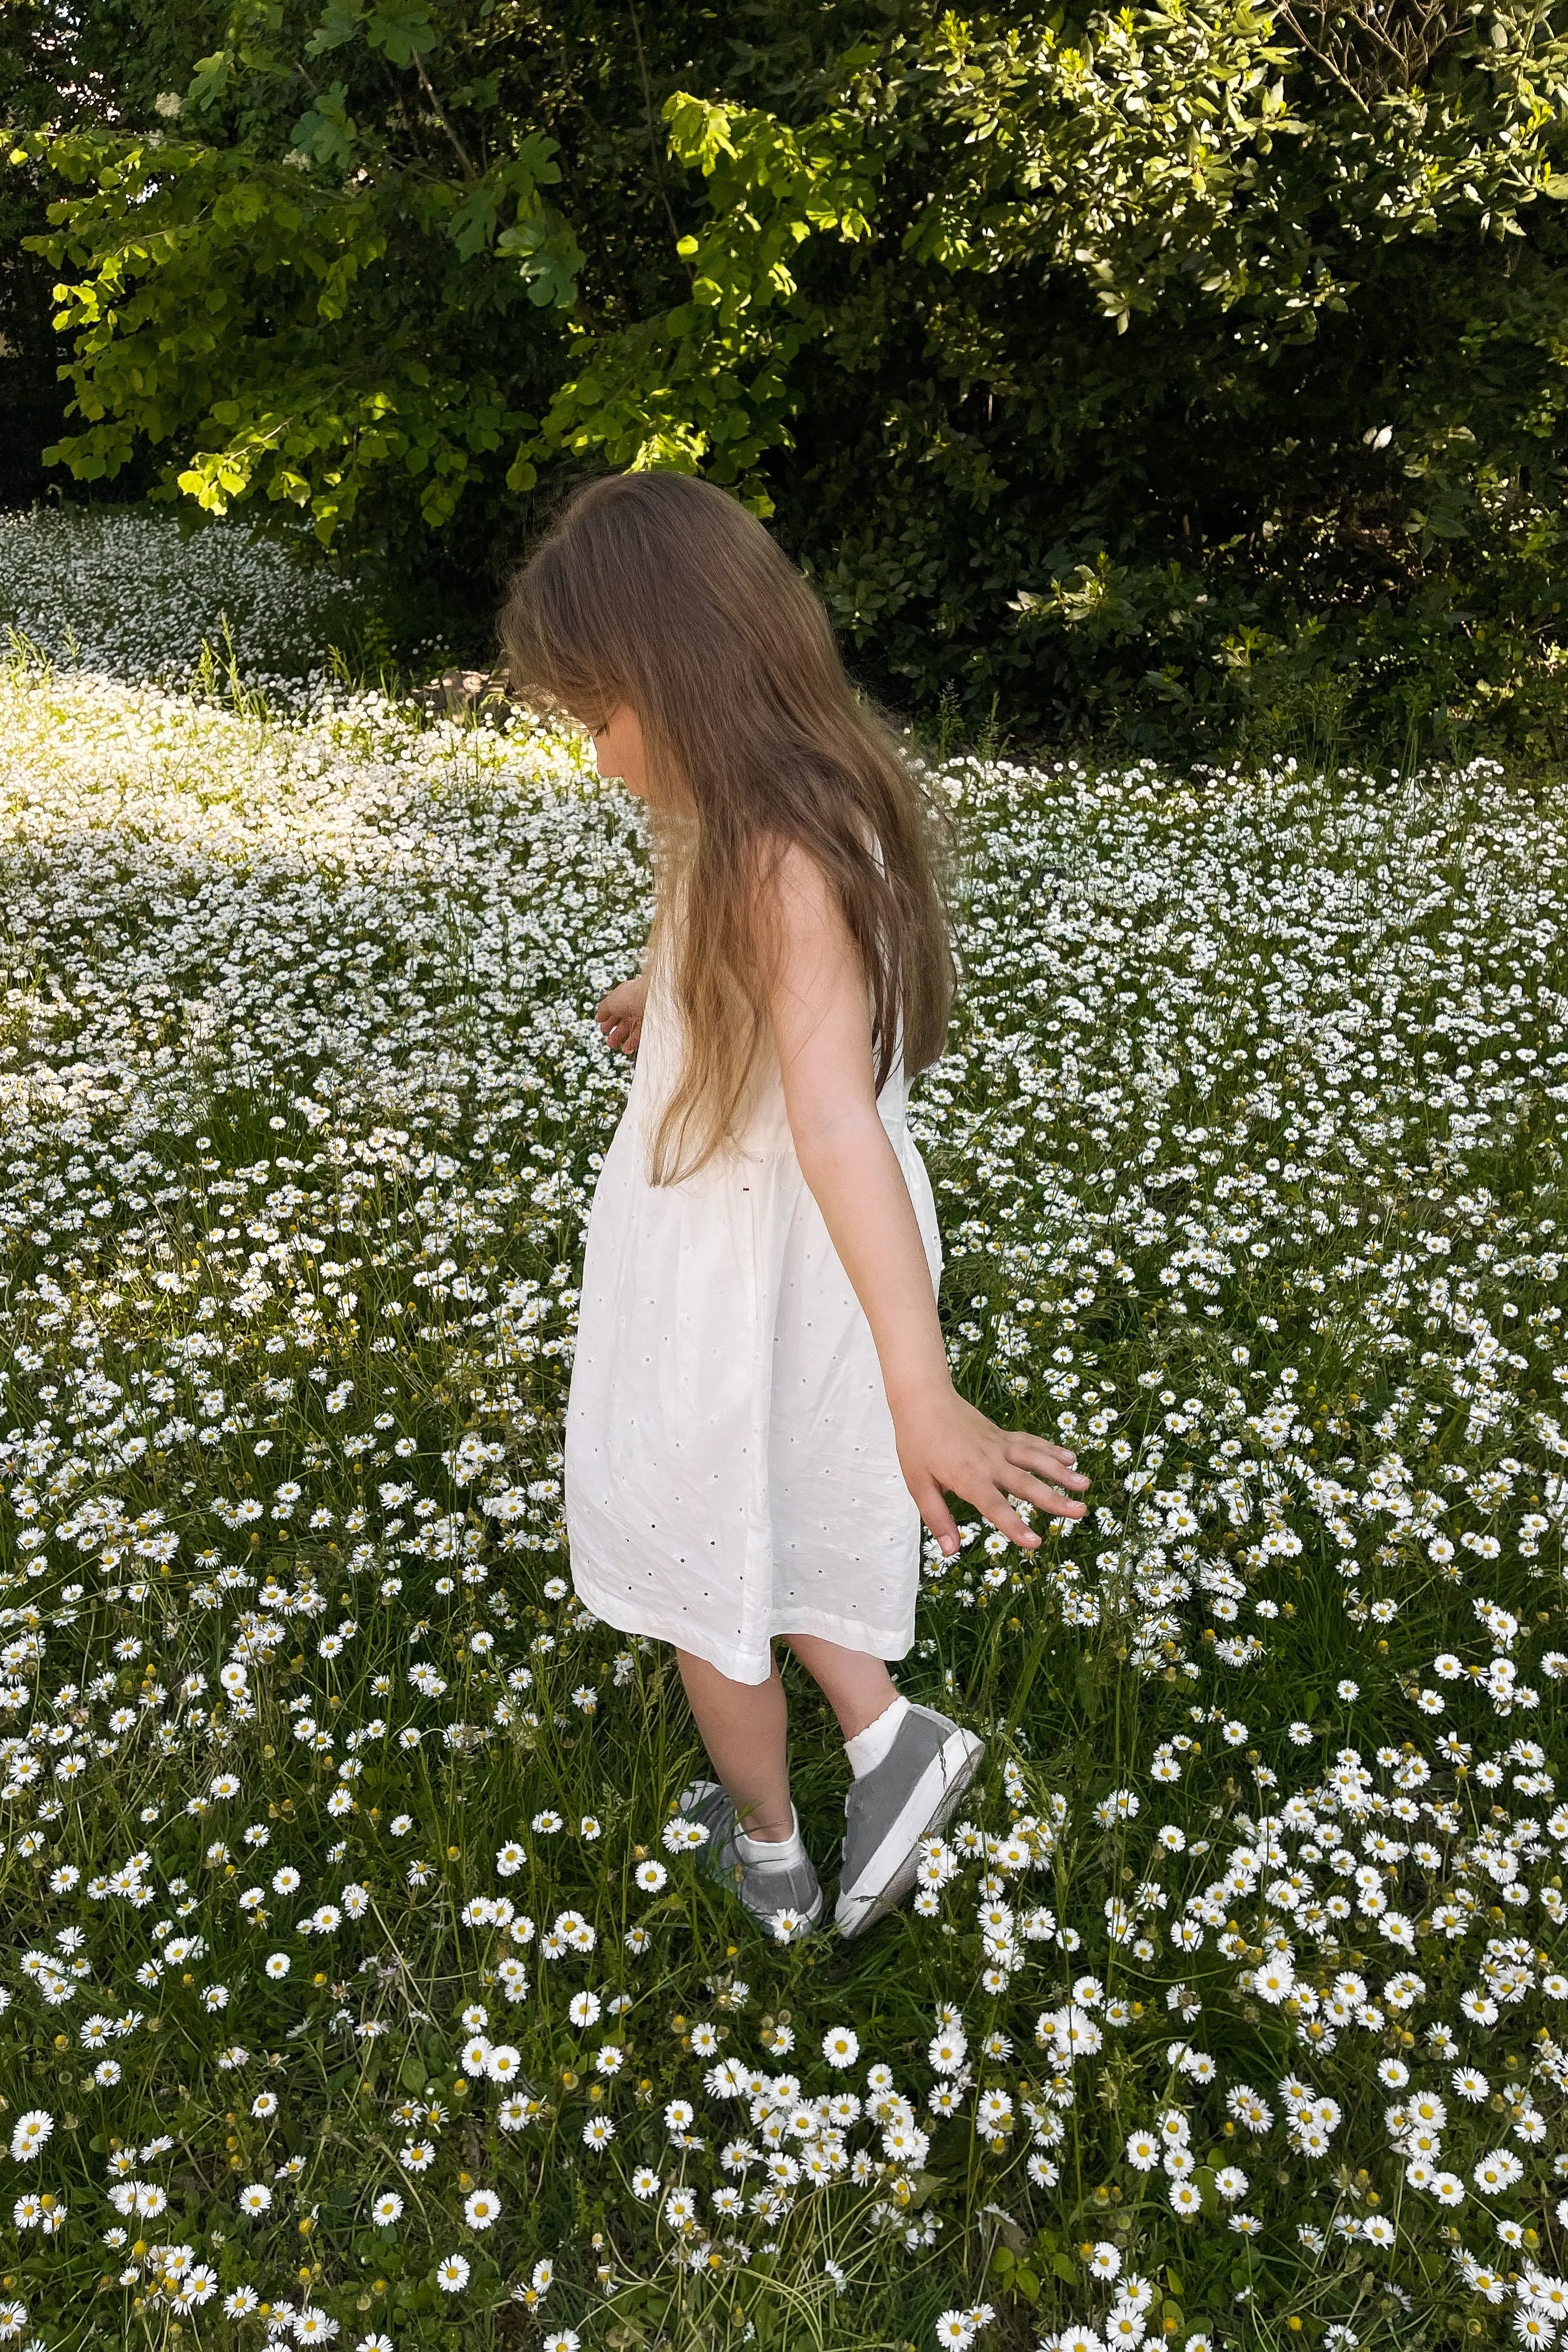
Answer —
(1155, 372)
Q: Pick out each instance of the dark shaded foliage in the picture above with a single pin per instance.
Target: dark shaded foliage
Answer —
(1169, 376)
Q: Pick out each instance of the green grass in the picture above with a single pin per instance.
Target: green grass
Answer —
(1248, 1149)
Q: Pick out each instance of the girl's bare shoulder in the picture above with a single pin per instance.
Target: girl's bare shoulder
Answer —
(796, 884)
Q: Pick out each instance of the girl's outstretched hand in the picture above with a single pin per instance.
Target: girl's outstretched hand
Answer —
(946, 1446)
(619, 1014)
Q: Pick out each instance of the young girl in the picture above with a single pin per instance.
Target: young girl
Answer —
(760, 1410)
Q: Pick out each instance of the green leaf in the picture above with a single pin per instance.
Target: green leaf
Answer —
(698, 131)
(472, 225)
(533, 165)
(340, 22)
(403, 30)
(327, 133)
(210, 79)
(548, 256)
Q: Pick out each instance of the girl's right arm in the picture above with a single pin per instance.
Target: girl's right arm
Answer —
(822, 1024)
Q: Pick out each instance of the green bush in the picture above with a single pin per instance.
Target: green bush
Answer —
(1169, 374)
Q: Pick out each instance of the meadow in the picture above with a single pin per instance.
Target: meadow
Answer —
(361, 1982)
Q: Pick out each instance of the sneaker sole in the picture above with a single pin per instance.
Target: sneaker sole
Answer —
(891, 1873)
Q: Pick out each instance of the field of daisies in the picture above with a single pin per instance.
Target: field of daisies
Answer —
(361, 1984)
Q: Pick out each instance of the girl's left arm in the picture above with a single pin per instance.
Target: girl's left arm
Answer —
(620, 1014)
(822, 1027)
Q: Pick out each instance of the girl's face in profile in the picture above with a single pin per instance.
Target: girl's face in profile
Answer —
(618, 748)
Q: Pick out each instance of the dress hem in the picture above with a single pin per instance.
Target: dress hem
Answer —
(846, 1634)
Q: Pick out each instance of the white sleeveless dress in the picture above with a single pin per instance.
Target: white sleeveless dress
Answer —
(731, 1470)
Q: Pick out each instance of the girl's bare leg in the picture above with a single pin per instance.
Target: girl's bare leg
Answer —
(744, 1728)
(857, 1688)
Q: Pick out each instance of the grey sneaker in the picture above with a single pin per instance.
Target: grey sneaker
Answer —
(786, 1902)
(889, 1811)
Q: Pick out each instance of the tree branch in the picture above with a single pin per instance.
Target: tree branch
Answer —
(652, 137)
(1330, 68)
(442, 116)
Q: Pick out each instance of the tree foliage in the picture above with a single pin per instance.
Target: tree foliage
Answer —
(1149, 368)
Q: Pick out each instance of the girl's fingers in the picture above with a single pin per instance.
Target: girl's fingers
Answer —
(1059, 1507)
(1038, 1487)
(933, 1510)
(1034, 1453)
(1019, 1480)
(1021, 1466)
(1047, 1473)
(996, 1507)
(990, 1490)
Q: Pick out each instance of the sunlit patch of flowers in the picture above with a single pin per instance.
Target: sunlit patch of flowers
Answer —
(361, 1975)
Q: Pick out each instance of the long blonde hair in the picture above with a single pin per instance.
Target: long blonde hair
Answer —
(662, 594)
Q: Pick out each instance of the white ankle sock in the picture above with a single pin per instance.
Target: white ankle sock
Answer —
(869, 1748)
(776, 1854)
